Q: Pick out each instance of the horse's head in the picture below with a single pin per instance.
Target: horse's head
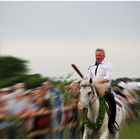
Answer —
(87, 93)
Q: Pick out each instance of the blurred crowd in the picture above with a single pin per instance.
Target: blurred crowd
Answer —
(31, 106)
(47, 107)
(129, 94)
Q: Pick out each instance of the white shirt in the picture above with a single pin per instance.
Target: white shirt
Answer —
(104, 71)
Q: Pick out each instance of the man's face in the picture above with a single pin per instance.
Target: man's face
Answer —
(100, 56)
(46, 85)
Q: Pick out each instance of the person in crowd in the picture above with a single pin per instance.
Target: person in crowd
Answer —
(56, 100)
(74, 130)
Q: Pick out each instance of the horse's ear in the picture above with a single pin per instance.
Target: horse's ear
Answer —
(90, 81)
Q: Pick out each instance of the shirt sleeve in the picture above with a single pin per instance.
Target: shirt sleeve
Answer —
(109, 72)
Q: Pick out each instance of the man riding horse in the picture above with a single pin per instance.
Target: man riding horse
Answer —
(102, 70)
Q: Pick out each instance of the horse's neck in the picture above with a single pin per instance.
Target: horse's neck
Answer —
(93, 111)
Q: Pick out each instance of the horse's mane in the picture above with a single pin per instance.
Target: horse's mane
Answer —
(84, 82)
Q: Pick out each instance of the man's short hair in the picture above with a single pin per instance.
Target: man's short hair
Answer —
(100, 50)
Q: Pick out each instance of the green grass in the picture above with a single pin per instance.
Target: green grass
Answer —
(131, 131)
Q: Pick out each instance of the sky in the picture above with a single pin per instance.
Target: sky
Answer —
(52, 35)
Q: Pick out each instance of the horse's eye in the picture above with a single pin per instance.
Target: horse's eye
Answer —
(89, 93)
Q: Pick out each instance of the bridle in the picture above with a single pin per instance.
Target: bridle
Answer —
(93, 92)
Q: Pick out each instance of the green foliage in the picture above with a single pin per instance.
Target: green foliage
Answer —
(99, 122)
(14, 70)
(12, 66)
(11, 81)
(33, 81)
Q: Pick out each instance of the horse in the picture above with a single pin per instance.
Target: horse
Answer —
(95, 116)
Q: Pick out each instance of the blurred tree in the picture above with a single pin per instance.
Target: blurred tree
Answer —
(11, 81)
(11, 67)
(33, 80)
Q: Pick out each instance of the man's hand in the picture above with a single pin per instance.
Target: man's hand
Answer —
(103, 81)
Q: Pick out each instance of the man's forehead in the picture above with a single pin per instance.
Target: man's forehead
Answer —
(99, 52)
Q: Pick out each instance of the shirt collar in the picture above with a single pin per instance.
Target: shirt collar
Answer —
(101, 62)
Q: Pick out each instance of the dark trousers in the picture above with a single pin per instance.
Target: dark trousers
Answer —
(109, 98)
